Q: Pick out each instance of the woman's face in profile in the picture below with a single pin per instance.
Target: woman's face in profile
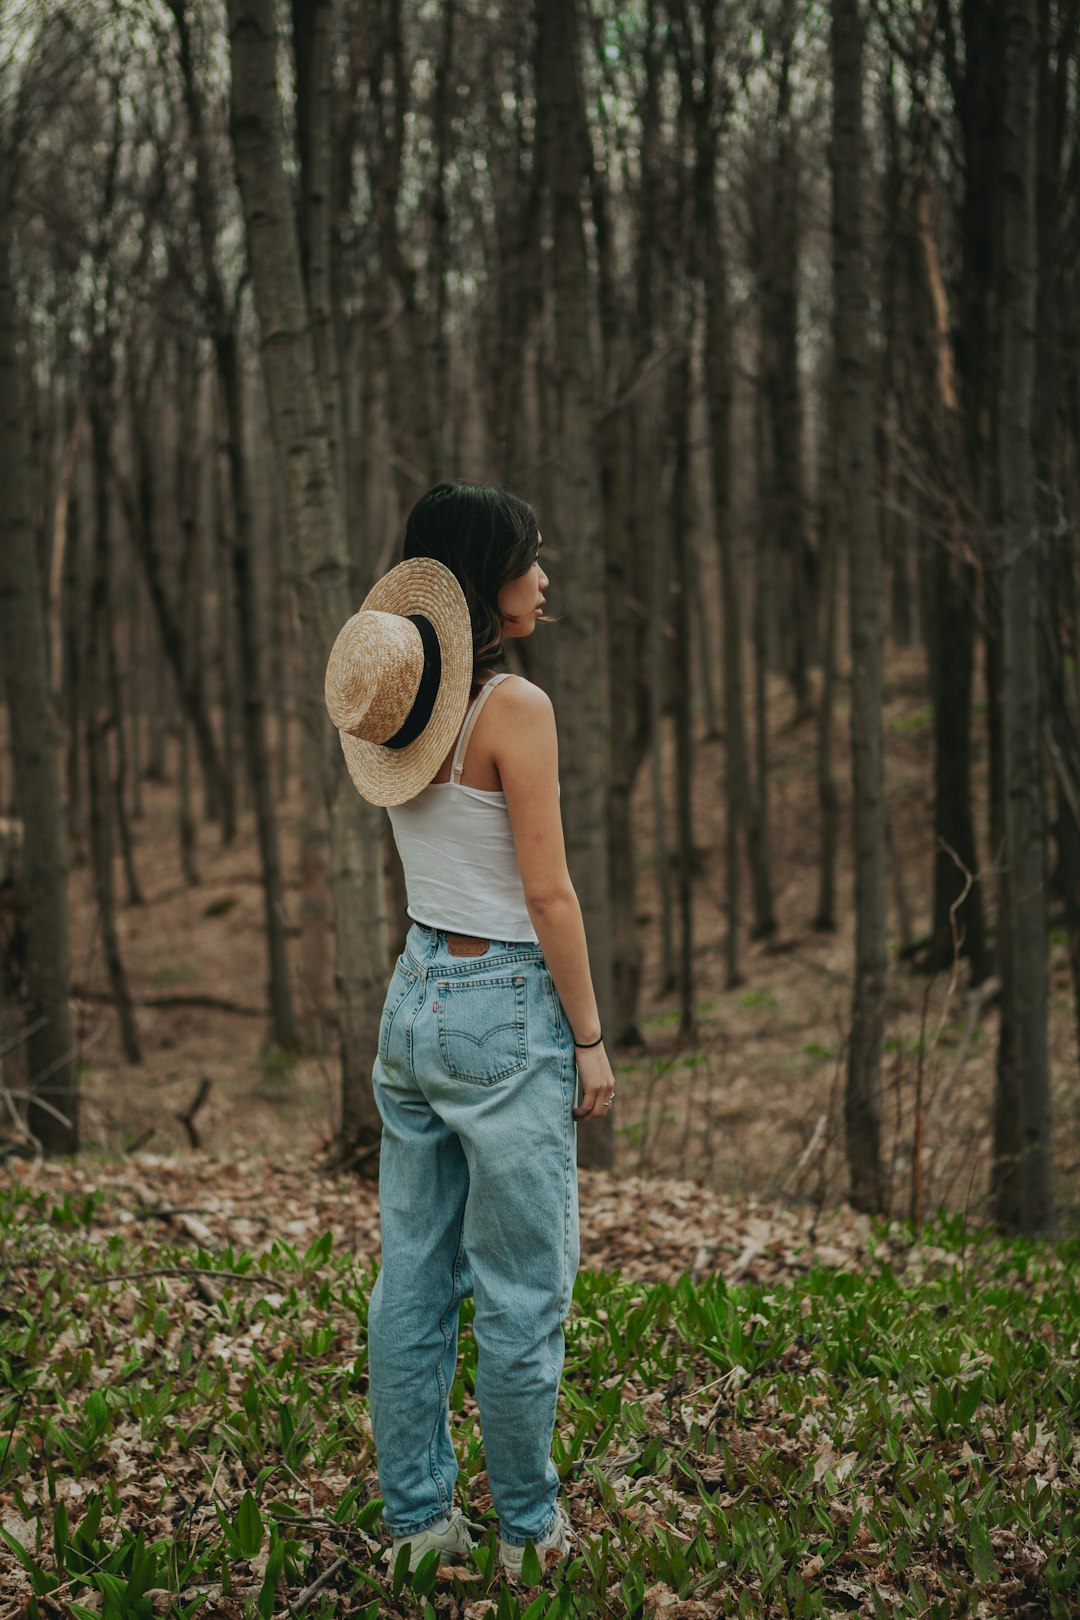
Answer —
(521, 600)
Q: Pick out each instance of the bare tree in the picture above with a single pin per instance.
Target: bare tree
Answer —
(222, 322)
(313, 512)
(858, 524)
(1022, 1124)
(581, 685)
(53, 1113)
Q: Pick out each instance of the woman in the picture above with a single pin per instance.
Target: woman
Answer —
(490, 1023)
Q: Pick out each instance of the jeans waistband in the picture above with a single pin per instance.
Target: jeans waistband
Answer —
(425, 945)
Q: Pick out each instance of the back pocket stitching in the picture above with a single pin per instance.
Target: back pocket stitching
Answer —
(519, 1024)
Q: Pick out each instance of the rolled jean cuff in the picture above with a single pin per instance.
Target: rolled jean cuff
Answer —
(418, 1529)
(516, 1541)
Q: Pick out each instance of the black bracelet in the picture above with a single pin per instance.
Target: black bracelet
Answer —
(586, 1044)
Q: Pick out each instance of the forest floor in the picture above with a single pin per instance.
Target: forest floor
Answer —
(749, 1107)
(725, 1214)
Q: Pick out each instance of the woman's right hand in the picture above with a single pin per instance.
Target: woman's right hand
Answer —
(597, 1082)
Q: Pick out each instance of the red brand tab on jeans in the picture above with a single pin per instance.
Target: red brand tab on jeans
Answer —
(434, 1006)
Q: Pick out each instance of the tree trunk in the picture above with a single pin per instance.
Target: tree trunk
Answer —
(256, 748)
(190, 574)
(581, 694)
(705, 100)
(828, 798)
(115, 690)
(680, 518)
(781, 308)
(72, 665)
(625, 549)
(858, 524)
(98, 720)
(312, 34)
(659, 663)
(1022, 1191)
(190, 686)
(939, 368)
(24, 659)
(314, 523)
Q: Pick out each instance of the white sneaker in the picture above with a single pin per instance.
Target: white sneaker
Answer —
(550, 1552)
(455, 1540)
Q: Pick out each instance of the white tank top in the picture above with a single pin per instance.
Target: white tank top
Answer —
(457, 848)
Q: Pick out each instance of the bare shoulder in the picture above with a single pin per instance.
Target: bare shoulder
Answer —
(523, 738)
(518, 700)
(518, 707)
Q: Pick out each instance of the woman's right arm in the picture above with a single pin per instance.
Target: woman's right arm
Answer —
(526, 752)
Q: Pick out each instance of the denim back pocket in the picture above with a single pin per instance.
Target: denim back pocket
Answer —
(482, 1032)
(402, 982)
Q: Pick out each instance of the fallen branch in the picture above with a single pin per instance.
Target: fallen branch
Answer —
(207, 1003)
(189, 1271)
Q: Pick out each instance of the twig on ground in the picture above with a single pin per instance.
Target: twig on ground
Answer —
(190, 1271)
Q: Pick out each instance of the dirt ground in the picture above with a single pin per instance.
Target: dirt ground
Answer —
(751, 1106)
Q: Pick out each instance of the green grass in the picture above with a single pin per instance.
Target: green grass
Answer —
(917, 720)
(899, 1441)
(177, 973)
(758, 1000)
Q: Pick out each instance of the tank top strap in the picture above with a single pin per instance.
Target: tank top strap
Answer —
(466, 731)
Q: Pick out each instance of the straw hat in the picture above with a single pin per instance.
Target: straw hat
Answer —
(397, 684)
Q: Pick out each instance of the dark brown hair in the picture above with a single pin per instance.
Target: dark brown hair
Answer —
(486, 537)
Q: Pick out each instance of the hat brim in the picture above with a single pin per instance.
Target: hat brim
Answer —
(386, 776)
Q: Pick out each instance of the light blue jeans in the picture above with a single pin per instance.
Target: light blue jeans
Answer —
(475, 1081)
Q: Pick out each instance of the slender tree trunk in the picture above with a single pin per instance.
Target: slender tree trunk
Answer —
(950, 622)
(624, 545)
(581, 680)
(24, 661)
(438, 299)
(256, 750)
(680, 519)
(660, 632)
(115, 689)
(1059, 592)
(764, 559)
(72, 682)
(314, 524)
(742, 809)
(718, 393)
(703, 645)
(189, 686)
(799, 574)
(858, 517)
(98, 720)
(190, 574)
(312, 34)
(186, 825)
(135, 677)
(828, 797)
(1022, 1192)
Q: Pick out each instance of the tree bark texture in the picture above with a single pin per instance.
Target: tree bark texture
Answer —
(581, 678)
(187, 673)
(828, 796)
(315, 527)
(780, 311)
(230, 374)
(100, 718)
(35, 754)
(1022, 1197)
(858, 525)
(950, 603)
(680, 519)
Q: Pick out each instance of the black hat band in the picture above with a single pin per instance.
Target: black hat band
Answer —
(428, 690)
